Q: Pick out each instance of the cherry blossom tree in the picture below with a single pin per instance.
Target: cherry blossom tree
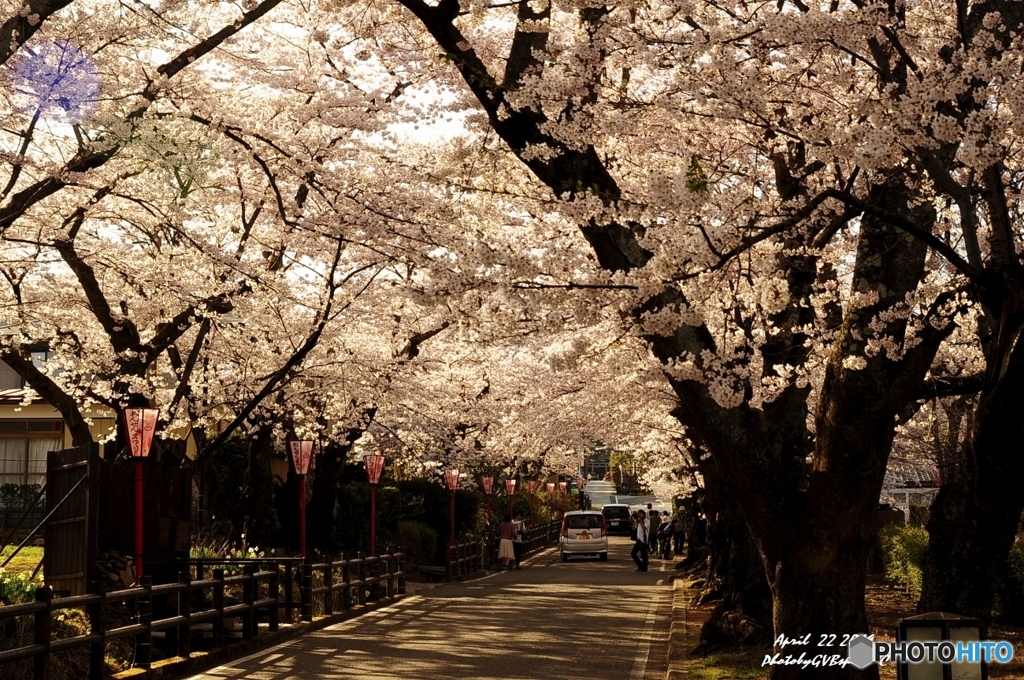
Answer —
(736, 167)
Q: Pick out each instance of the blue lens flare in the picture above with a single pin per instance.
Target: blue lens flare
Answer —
(55, 79)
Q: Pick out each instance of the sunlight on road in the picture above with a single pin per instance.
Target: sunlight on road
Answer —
(494, 628)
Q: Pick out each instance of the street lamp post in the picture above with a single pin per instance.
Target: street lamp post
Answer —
(532, 487)
(140, 424)
(488, 486)
(302, 455)
(551, 494)
(451, 479)
(510, 490)
(374, 466)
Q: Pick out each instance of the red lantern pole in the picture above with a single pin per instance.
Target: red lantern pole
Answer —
(532, 487)
(488, 486)
(451, 478)
(140, 425)
(562, 486)
(374, 466)
(139, 521)
(551, 500)
(302, 455)
(302, 516)
(510, 490)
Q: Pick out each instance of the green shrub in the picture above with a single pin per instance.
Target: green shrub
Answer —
(903, 551)
(1009, 603)
(1016, 562)
(417, 541)
(18, 494)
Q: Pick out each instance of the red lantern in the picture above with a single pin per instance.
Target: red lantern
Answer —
(302, 455)
(532, 486)
(551, 487)
(488, 484)
(562, 486)
(451, 479)
(140, 424)
(510, 486)
(374, 467)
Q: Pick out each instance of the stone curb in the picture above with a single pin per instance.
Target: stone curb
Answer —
(677, 632)
(178, 667)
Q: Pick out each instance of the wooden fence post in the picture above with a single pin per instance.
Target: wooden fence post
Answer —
(346, 588)
(185, 609)
(96, 649)
(274, 593)
(144, 640)
(248, 597)
(399, 567)
(289, 583)
(41, 662)
(307, 591)
(329, 585)
(373, 569)
(218, 605)
(361, 593)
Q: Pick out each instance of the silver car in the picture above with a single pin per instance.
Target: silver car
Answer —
(584, 532)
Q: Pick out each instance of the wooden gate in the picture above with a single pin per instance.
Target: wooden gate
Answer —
(98, 515)
(69, 555)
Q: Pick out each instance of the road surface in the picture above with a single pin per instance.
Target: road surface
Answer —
(549, 621)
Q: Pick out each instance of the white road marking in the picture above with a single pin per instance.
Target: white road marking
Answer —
(643, 652)
(236, 662)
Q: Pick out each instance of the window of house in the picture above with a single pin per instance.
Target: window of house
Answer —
(23, 448)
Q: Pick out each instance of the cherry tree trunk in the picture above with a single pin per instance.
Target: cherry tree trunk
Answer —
(743, 614)
(821, 595)
(976, 516)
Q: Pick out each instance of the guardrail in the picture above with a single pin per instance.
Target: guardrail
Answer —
(261, 598)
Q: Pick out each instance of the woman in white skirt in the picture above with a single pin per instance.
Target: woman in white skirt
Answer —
(506, 552)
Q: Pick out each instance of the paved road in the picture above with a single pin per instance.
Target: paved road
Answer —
(582, 619)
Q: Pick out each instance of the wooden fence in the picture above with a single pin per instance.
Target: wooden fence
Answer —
(466, 558)
(342, 584)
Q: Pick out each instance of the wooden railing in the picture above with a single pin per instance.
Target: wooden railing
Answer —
(358, 581)
(541, 536)
(466, 558)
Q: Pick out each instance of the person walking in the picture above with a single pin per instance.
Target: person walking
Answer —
(665, 538)
(678, 534)
(517, 542)
(652, 535)
(506, 553)
(643, 531)
(632, 526)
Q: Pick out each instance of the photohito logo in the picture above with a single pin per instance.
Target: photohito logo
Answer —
(862, 651)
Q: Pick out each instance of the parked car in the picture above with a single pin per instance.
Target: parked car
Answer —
(584, 532)
(617, 517)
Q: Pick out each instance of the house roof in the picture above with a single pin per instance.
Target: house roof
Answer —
(911, 473)
(20, 396)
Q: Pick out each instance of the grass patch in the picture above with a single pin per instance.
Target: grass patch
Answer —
(26, 560)
(738, 665)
